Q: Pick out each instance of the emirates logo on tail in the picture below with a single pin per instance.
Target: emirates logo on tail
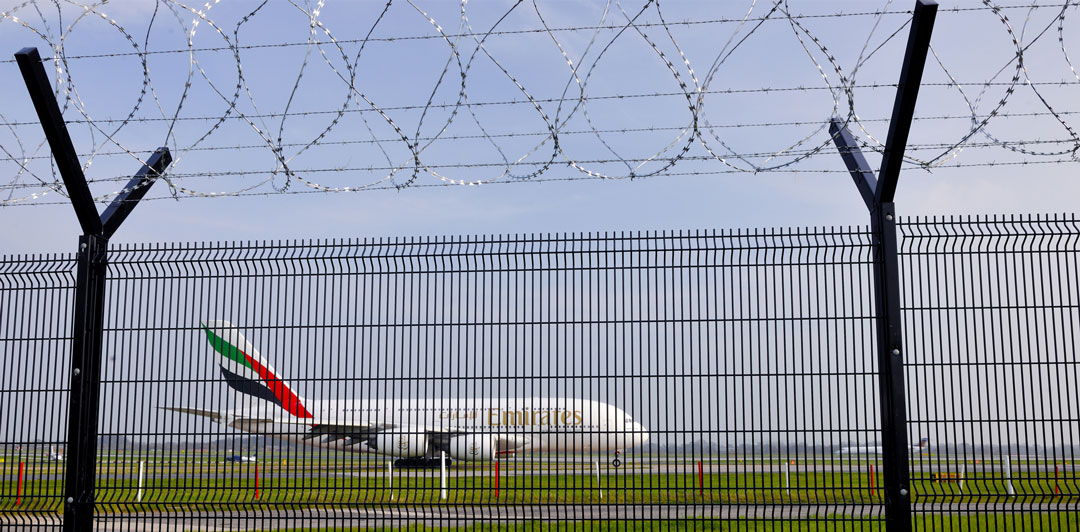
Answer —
(247, 372)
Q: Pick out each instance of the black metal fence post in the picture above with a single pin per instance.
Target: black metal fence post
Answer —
(89, 312)
(894, 440)
(877, 192)
(85, 382)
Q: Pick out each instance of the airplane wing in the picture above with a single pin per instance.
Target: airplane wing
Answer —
(219, 417)
(438, 436)
(356, 433)
(308, 428)
(194, 411)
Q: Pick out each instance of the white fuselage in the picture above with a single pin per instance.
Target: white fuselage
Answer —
(860, 450)
(513, 425)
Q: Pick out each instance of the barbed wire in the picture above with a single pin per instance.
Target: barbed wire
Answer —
(565, 29)
(622, 131)
(866, 146)
(576, 178)
(471, 105)
(807, 154)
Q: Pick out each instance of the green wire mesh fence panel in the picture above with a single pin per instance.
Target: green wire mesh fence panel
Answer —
(36, 295)
(591, 378)
(704, 379)
(991, 310)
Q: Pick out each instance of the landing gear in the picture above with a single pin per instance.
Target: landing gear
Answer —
(616, 462)
(421, 462)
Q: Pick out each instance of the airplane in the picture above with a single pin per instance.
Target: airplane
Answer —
(54, 455)
(922, 447)
(416, 431)
(241, 458)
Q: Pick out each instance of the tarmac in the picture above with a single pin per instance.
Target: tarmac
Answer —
(274, 518)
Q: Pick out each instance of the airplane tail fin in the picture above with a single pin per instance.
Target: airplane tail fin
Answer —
(247, 372)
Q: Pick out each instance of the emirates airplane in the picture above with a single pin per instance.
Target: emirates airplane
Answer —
(414, 430)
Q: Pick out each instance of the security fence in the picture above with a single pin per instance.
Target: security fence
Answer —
(607, 380)
(991, 319)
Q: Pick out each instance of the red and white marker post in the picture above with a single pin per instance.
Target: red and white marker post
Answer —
(873, 482)
(700, 479)
(18, 495)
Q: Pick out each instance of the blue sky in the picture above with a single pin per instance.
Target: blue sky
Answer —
(293, 97)
(698, 191)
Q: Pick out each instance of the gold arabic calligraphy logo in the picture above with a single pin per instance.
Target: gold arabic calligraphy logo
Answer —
(403, 442)
(474, 449)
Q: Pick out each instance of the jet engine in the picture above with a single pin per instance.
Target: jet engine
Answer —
(401, 444)
(472, 447)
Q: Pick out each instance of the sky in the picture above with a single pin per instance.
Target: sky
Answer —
(972, 46)
(237, 95)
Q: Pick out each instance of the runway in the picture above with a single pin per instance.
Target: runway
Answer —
(214, 496)
(535, 468)
(269, 517)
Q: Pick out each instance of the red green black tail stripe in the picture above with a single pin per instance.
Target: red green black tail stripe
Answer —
(249, 386)
(278, 390)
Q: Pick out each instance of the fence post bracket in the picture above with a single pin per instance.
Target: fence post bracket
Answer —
(92, 269)
(877, 192)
